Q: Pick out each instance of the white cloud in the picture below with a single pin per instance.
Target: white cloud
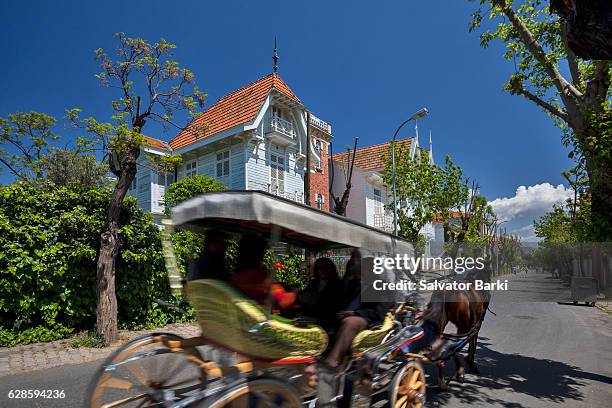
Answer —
(528, 204)
(532, 200)
(527, 233)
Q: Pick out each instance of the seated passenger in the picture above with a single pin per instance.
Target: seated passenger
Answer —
(254, 280)
(211, 263)
(356, 315)
(322, 298)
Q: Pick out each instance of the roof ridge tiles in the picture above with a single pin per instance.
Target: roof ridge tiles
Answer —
(405, 139)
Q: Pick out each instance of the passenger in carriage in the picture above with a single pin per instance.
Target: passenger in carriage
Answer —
(356, 315)
(211, 263)
(322, 298)
(252, 279)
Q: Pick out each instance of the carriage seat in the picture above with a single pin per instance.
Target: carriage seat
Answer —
(368, 338)
(231, 320)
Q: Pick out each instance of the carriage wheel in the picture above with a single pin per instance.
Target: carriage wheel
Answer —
(145, 372)
(259, 393)
(408, 386)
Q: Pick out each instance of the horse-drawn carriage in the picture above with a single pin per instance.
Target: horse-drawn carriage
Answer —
(262, 356)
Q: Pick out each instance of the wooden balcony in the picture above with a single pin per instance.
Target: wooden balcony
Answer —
(281, 132)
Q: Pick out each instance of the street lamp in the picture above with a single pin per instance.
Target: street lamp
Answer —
(420, 114)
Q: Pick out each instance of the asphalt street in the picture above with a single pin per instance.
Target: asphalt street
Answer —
(531, 354)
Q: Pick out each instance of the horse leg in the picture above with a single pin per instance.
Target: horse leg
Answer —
(471, 357)
(472, 369)
(459, 370)
(442, 384)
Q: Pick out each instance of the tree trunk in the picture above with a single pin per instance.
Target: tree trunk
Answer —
(601, 200)
(599, 171)
(589, 26)
(106, 315)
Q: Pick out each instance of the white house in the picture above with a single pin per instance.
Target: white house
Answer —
(254, 138)
(370, 196)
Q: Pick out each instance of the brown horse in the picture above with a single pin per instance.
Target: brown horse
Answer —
(466, 310)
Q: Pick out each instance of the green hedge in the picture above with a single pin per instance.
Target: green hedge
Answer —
(49, 239)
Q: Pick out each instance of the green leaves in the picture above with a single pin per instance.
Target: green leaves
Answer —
(24, 142)
(48, 248)
(190, 187)
(151, 85)
(428, 190)
(69, 168)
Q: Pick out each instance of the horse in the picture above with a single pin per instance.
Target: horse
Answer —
(466, 309)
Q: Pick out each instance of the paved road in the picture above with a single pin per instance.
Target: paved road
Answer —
(538, 354)
(531, 355)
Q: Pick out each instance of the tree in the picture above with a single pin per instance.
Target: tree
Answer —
(427, 190)
(70, 168)
(340, 203)
(587, 23)
(151, 87)
(474, 221)
(24, 142)
(538, 44)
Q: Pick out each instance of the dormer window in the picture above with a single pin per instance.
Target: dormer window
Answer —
(281, 127)
(277, 112)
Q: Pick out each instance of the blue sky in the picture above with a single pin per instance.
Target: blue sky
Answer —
(362, 66)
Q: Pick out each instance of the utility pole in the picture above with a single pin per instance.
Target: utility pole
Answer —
(307, 173)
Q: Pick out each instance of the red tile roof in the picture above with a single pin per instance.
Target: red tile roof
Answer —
(453, 215)
(374, 157)
(236, 108)
(155, 143)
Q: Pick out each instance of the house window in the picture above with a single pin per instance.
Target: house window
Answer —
(191, 169)
(165, 179)
(320, 201)
(277, 173)
(133, 185)
(319, 150)
(277, 112)
(378, 202)
(223, 163)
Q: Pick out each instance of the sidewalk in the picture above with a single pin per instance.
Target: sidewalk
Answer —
(40, 356)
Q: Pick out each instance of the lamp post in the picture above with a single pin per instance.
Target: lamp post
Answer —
(422, 113)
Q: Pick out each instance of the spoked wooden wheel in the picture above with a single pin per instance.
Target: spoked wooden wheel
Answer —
(408, 386)
(256, 393)
(145, 372)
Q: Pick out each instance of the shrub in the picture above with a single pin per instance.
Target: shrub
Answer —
(189, 187)
(49, 239)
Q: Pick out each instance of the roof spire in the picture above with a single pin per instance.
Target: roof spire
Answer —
(275, 57)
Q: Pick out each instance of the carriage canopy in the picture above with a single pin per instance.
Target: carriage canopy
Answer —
(257, 211)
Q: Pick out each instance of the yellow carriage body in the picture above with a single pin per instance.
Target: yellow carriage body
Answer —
(230, 319)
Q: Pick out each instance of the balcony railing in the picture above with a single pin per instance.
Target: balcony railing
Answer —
(295, 196)
(321, 124)
(282, 126)
(384, 222)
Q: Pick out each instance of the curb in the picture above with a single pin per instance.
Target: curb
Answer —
(603, 308)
